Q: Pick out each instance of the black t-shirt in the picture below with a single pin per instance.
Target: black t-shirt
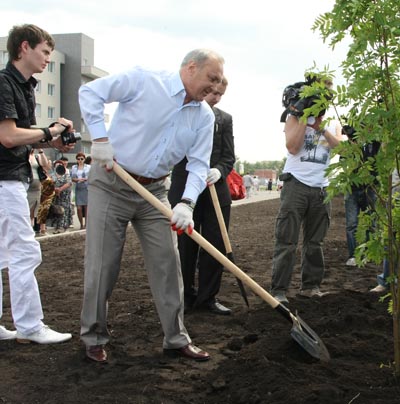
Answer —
(17, 101)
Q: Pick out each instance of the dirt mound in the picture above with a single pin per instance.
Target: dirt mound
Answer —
(254, 358)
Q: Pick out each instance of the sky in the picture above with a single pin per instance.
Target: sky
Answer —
(266, 46)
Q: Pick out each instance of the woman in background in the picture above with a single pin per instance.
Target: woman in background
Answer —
(46, 199)
(79, 176)
(38, 162)
(62, 184)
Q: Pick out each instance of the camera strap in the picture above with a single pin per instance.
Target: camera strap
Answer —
(284, 115)
(57, 123)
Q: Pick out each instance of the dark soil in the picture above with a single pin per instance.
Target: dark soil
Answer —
(254, 358)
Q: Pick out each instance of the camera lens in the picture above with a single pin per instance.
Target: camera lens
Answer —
(60, 169)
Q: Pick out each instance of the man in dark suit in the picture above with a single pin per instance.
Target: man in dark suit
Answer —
(204, 216)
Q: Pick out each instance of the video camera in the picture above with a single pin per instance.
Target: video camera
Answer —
(295, 104)
(60, 169)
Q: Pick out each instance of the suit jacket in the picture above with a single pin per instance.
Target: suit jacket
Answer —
(222, 158)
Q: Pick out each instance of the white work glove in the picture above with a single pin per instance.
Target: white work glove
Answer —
(213, 176)
(103, 153)
(182, 218)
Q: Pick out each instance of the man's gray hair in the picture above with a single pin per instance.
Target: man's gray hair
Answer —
(200, 56)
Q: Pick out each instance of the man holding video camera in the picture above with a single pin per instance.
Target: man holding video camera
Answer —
(303, 194)
(29, 48)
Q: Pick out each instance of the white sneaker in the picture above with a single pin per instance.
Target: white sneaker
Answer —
(44, 336)
(314, 292)
(351, 262)
(379, 289)
(281, 297)
(7, 334)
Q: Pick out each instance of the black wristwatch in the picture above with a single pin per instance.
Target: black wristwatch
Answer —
(189, 202)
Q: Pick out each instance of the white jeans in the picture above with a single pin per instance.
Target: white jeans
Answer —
(20, 253)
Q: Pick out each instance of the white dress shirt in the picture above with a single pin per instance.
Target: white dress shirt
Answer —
(151, 129)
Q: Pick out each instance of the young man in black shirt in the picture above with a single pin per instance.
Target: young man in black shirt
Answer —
(29, 48)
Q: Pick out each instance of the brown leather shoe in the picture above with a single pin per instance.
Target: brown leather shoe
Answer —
(96, 353)
(189, 351)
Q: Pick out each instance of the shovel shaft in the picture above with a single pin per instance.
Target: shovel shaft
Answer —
(221, 221)
(225, 237)
(221, 258)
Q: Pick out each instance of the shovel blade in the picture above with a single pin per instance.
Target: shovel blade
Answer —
(308, 339)
(304, 335)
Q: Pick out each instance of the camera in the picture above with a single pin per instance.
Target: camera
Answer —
(295, 104)
(291, 93)
(60, 169)
(70, 137)
(349, 131)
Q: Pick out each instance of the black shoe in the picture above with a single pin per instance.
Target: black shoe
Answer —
(216, 307)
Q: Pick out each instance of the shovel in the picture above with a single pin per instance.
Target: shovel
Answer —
(225, 237)
(300, 331)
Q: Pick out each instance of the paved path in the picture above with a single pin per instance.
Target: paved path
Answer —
(258, 196)
(254, 197)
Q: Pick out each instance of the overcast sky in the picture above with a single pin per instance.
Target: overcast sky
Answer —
(266, 46)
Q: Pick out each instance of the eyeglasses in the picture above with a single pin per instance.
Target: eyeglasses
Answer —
(80, 158)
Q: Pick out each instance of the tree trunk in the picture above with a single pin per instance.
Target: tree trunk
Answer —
(396, 338)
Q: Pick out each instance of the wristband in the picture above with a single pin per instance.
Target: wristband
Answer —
(188, 202)
(47, 135)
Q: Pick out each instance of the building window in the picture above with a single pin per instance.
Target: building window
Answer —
(51, 67)
(51, 112)
(3, 57)
(51, 89)
(38, 87)
(38, 110)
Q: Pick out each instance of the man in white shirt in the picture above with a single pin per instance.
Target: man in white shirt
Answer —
(160, 119)
(248, 183)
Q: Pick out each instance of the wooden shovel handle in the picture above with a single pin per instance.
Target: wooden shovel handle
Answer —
(200, 240)
(225, 237)
(220, 217)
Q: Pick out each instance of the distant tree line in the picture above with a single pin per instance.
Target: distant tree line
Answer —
(251, 167)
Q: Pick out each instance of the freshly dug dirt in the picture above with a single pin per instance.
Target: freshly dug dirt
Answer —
(254, 358)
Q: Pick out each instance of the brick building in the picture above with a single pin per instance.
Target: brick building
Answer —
(266, 173)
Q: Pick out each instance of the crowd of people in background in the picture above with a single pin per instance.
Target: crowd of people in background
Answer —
(57, 193)
(60, 193)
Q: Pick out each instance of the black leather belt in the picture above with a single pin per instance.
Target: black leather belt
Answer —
(145, 180)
